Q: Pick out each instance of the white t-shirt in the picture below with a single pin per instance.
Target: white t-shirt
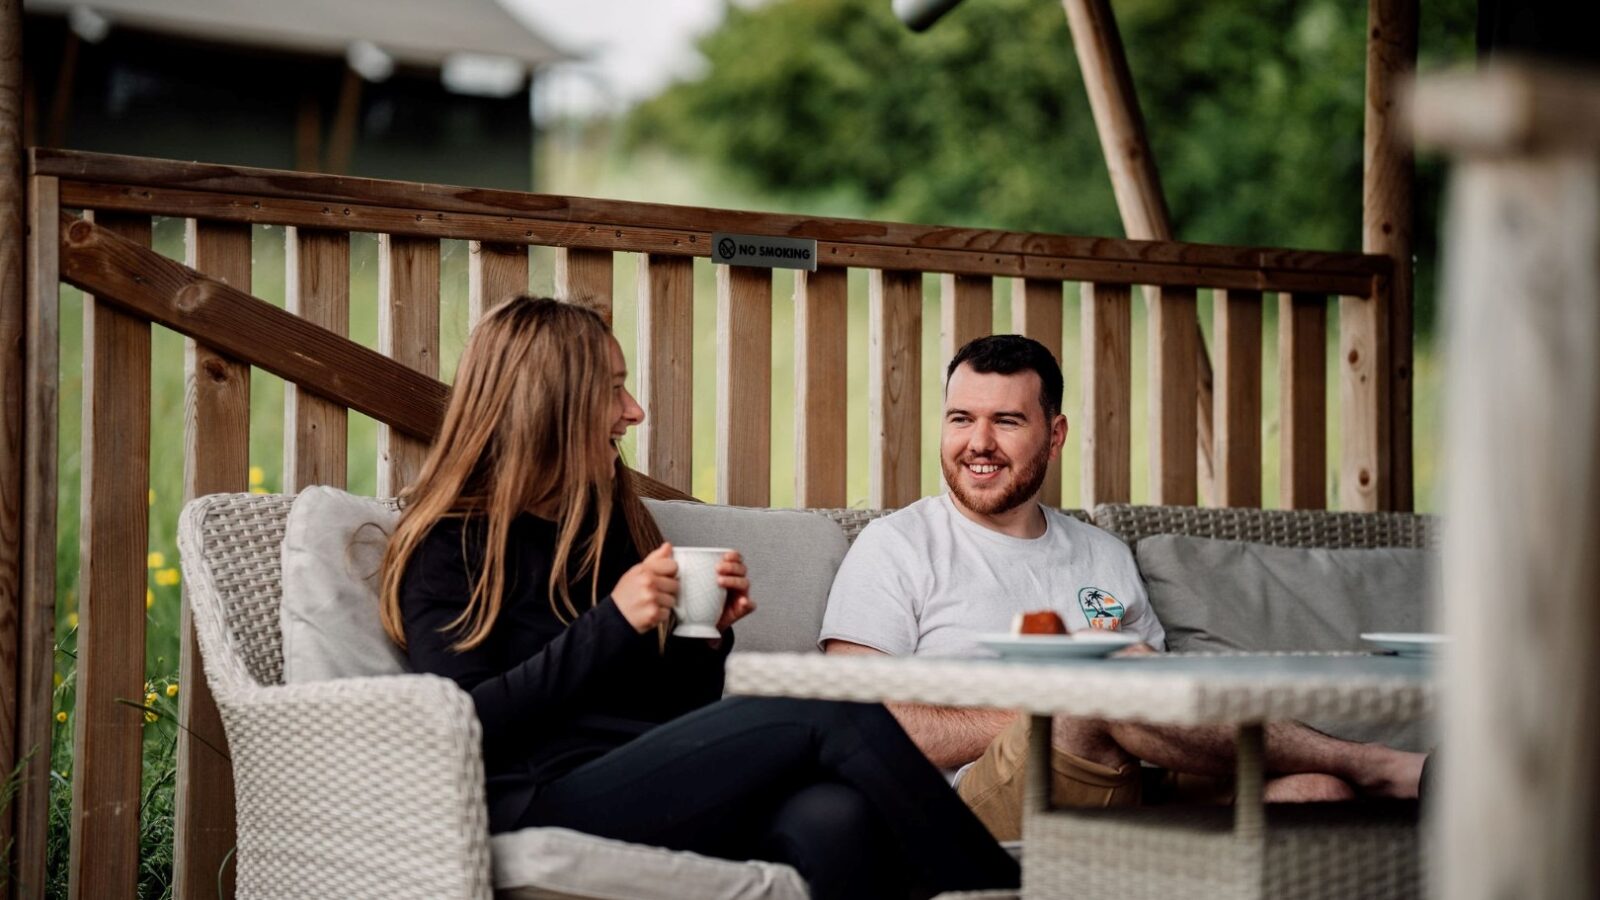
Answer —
(926, 580)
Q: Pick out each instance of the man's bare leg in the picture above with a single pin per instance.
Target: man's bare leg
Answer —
(1291, 749)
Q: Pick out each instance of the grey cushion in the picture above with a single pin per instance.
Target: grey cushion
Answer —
(332, 550)
(538, 863)
(792, 556)
(1214, 595)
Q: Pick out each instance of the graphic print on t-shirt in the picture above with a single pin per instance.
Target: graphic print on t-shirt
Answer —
(1101, 609)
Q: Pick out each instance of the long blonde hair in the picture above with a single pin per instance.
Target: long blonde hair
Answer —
(525, 429)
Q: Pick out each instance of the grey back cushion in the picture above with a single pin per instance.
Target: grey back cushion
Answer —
(792, 555)
(1220, 596)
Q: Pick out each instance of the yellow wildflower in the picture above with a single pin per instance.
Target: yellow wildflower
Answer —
(150, 717)
(61, 716)
(172, 690)
(72, 620)
(150, 698)
(152, 497)
(156, 560)
(167, 577)
(256, 475)
(58, 679)
(149, 598)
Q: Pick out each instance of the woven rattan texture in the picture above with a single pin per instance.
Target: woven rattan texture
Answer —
(1283, 527)
(853, 520)
(1316, 852)
(359, 788)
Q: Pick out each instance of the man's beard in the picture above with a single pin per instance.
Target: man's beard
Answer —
(1026, 482)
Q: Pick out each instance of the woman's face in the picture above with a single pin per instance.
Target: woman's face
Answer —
(624, 411)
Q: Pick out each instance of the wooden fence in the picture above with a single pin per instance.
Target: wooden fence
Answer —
(105, 251)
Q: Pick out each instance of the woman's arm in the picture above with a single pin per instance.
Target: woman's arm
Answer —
(545, 683)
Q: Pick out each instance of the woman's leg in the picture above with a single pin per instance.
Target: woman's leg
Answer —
(712, 780)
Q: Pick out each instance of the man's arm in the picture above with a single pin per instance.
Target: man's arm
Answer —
(949, 736)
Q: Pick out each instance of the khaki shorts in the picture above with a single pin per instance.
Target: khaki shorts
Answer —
(993, 787)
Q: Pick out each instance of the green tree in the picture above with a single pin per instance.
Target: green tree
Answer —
(1254, 111)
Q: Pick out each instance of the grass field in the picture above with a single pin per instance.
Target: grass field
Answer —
(166, 475)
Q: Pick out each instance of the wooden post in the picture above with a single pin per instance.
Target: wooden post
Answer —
(1173, 348)
(966, 312)
(35, 692)
(666, 368)
(894, 388)
(1036, 313)
(1238, 425)
(744, 386)
(1519, 800)
(216, 438)
(1302, 401)
(114, 536)
(1134, 179)
(1386, 226)
(584, 275)
(408, 332)
(1107, 336)
(315, 445)
(495, 274)
(13, 316)
(821, 386)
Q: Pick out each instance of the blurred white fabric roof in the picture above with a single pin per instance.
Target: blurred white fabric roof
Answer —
(411, 32)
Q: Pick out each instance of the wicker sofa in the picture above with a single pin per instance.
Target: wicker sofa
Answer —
(373, 785)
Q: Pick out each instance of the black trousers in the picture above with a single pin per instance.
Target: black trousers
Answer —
(836, 790)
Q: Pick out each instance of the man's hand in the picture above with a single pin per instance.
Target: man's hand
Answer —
(1139, 649)
(949, 736)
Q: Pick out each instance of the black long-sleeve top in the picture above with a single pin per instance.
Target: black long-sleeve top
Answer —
(550, 696)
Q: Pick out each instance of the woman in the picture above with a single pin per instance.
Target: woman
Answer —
(525, 569)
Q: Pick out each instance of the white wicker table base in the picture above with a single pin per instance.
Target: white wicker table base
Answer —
(1248, 851)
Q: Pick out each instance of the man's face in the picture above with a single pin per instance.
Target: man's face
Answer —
(996, 441)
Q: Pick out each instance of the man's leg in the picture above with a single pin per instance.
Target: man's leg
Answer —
(993, 786)
(1291, 749)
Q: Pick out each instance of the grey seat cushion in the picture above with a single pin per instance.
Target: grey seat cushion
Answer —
(792, 556)
(540, 863)
(1221, 596)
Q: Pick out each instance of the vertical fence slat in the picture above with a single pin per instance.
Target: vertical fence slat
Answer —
(744, 386)
(584, 274)
(495, 274)
(894, 388)
(1036, 313)
(666, 368)
(1238, 397)
(315, 449)
(114, 536)
(1302, 401)
(408, 332)
(966, 312)
(1107, 336)
(821, 386)
(216, 459)
(37, 599)
(1364, 416)
(1174, 346)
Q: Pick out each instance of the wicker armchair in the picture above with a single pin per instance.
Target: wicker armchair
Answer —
(373, 787)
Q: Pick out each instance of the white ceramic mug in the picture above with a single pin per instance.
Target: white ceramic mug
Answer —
(700, 598)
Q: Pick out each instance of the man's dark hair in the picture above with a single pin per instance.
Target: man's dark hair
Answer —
(1008, 354)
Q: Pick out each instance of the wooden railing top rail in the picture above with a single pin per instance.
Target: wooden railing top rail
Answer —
(164, 187)
(146, 284)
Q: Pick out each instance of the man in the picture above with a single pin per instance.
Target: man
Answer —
(928, 578)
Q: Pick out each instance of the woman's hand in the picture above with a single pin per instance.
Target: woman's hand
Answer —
(646, 593)
(733, 577)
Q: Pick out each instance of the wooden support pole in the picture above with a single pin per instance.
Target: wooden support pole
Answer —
(1522, 498)
(744, 386)
(1388, 173)
(1107, 336)
(820, 380)
(216, 437)
(1036, 313)
(1134, 178)
(894, 388)
(13, 318)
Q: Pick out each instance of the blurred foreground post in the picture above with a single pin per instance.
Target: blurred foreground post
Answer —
(12, 316)
(1518, 808)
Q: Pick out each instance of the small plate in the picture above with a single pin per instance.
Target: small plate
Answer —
(1057, 646)
(1419, 643)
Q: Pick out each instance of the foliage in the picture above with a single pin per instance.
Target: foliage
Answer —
(1254, 112)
